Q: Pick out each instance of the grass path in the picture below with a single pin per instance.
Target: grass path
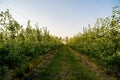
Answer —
(65, 65)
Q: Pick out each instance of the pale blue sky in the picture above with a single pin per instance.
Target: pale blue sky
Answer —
(61, 17)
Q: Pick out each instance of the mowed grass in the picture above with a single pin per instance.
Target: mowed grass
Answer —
(65, 66)
(79, 71)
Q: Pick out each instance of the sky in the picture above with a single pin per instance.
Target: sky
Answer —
(61, 17)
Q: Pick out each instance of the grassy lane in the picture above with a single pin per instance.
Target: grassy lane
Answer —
(58, 69)
(64, 66)
(79, 71)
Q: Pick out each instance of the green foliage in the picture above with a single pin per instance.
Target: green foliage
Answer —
(101, 42)
(113, 63)
(19, 46)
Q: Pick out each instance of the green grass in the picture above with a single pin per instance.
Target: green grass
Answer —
(64, 66)
(79, 71)
(51, 70)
